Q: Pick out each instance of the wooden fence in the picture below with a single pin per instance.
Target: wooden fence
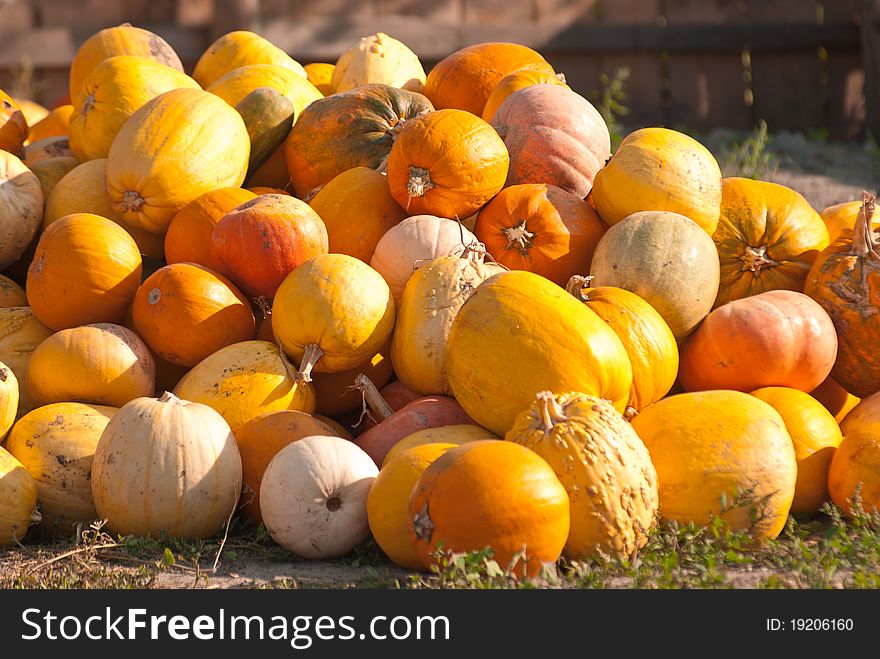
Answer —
(697, 64)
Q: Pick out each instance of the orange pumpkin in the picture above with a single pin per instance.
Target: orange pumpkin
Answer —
(46, 148)
(778, 338)
(336, 392)
(13, 125)
(510, 84)
(447, 163)
(767, 238)
(856, 463)
(843, 216)
(265, 189)
(835, 398)
(540, 228)
(185, 312)
(260, 242)
(86, 270)
(272, 173)
(54, 124)
(357, 208)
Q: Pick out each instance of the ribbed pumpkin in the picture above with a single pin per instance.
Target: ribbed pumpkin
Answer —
(490, 494)
(51, 171)
(429, 304)
(237, 49)
(845, 280)
(778, 338)
(186, 312)
(351, 129)
(357, 209)
(258, 243)
(658, 169)
(843, 216)
(176, 147)
(260, 439)
(721, 453)
(120, 40)
(320, 74)
(20, 334)
(103, 364)
(243, 381)
(649, 343)
(86, 270)
(540, 228)
(21, 208)
(388, 501)
(378, 58)
(166, 466)
(519, 334)
(238, 83)
(767, 238)
(414, 242)
(332, 313)
(603, 465)
(835, 398)
(554, 136)
(667, 260)
(517, 80)
(56, 444)
(856, 463)
(8, 399)
(116, 88)
(815, 435)
(11, 294)
(13, 125)
(336, 393)
(54, 124)
(18, 492)
(447, 163)
(465, 79)
(49, 147)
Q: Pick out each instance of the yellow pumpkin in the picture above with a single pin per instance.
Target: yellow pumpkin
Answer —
(515, 81)
(18, 492)
(519, 334)
(178, 146)
(320, 74)
(20, 334)
(240, 48)
(658, 169)
(243, 381)
(843, 216)
(21, 207)
(378, 58)
(8, 399)
(54, 124)
(459, 433)
(855, 468)
(240, 82)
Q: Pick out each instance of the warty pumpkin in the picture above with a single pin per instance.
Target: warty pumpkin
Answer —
(186, 312)
(378, 58)
(20, 334)
(176, 147)
(519, 334)
(843, 216)
(658, 169)
(853, 475)
(8, 399)
(238, 83)
(515, 81)
(336, 393)
(18, 492)
(835, 398)
(320, 74)
(356, 128)
(454, 434)
(11, 294)
(21, 208)
(667, 260)
(48, 147)
(314, 496)
(166, 466)
(447, 163)
(54, 124)
(13, 125)
(56, 444)
(721, 453)
(237, 49)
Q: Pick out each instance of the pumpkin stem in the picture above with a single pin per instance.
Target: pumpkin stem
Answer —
(288, 367)
(576, 286)
(419, 182)
(372, 398)
(88, 104)
(168, 397)
(561, 78)
(630, 413)
(132, 201)
(311, 355)
(422, 525)
(755, 259)
(4, 374)
(550, 410)
(519, 237)
(863, 231)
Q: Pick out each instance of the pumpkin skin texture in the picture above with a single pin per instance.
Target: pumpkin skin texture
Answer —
(176, 147)
(336, 395)
(454, 434)
(258, 243)
(11, 294)
(614, 500)
(465, 79)
(18, 492)
(238, 83)
(49, 147)
(554, 136)
(357, 209)
(519, 334)
(842, 216)
(414, 242)
(56, 444)
(86, 270)
(716, 445)
(103, 364)
(835, 398)
(658, 169)
(260, 439)
(767, 238)
(388, 502)
(491, 494)
(778, 338)
(664, 259)
(320, 74)
(13, 125)
(186, 312)
(332, 313)
(237, 49)
(50, 172)
(20, 334)
(314, 496)
(356, 128)
(21, 208)
(378, 58)
(166, 465)
(649, 343)
(447, 163)
(120, 40)
(510, 84)
(815, 435)
(243, 381)
(540, 228)
(189, 235)
(429, 304)
(856, 463)
(8, 399)
(54, 124)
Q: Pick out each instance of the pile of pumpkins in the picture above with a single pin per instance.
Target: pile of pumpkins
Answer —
(356, 299)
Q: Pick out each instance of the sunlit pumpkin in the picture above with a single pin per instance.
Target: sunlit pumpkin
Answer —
(9, 389)
(18, 492)
(515, 81)
(20, 334)
(454, 434)
(54, 124)
(853, 475)
(835, 398)
(842, 216)
(378, 58)
(21, 208)
(237, 49)
(238, 83)
(320, 74)
(13, 125)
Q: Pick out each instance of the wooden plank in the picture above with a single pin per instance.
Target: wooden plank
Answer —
(499, 12)
(774, 11)
(443, 11)
(86, 14)
(148, 11)
(643, 87)
(846, 114)
(50, 47)
(841, 11)
(581, 72)
(871, 50)
(293, 9)
(788, 91)
(630, 12)
(15, 16)
(194, 13)
(569, 11)
(231, 15)
(705, 12)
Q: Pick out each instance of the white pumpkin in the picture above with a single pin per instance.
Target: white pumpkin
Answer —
(18, 499)
(166, 465)
(314, 496)
(378, 58)
(20, 334)
(21, 208)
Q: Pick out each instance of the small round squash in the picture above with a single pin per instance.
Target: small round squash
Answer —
(21, 208)
(18, 492)
(237, 49)
(855, 468)
(378, 58)
(455, 434)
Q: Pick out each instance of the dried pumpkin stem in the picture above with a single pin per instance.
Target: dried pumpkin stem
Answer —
(551, 411)
(755, 259)
(863, 231)
(168, 397)
(264, 305)
(419, 182)
(132, 201)
(4, 374)
(378, 405)
(311, 355)
(576, 286)
(519, 237)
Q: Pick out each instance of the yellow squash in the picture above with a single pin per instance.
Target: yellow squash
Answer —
(18, 492)
(240, 48)
(378, 58)
(455, 434)
(238, 83)
(8, 399)
(20, 334)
